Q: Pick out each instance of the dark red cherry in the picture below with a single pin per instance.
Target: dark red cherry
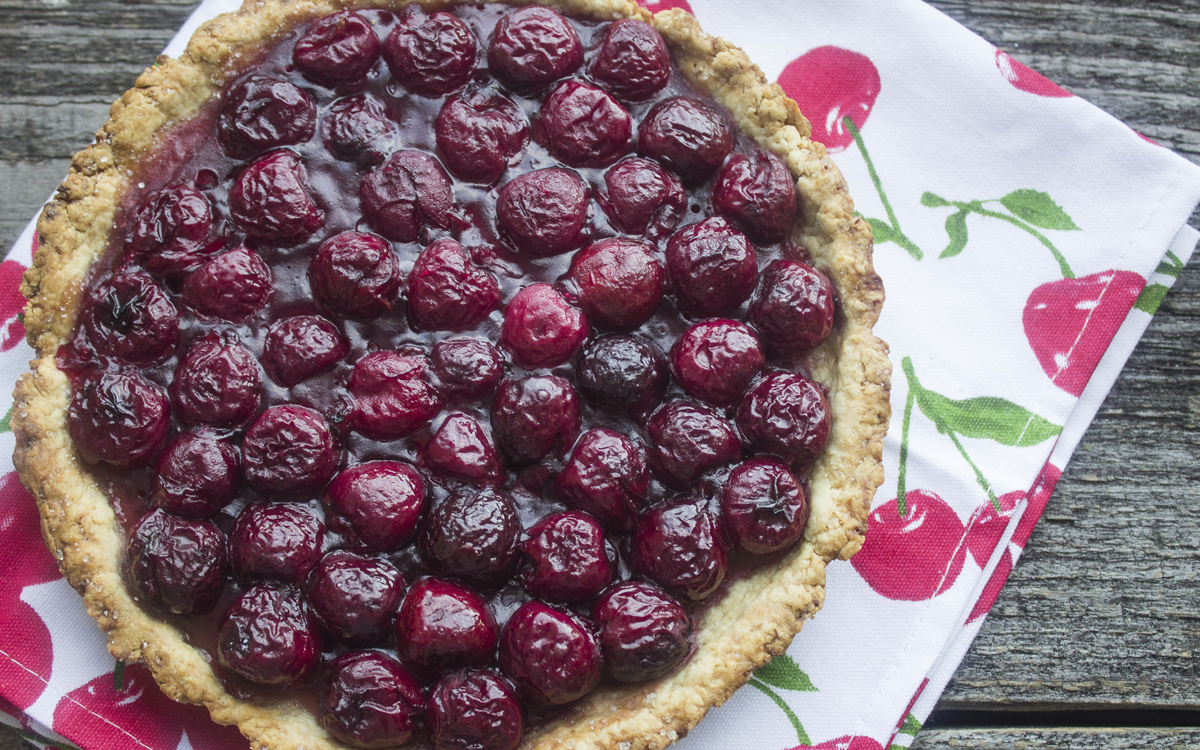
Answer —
(532, 47)
(280, 541)
(534, 417)
(375, 505)
(263, 112)
(299, 347)
(682, 547)
(474, 710)
(552, 656)
(232, 286)
(430, 55)
(339, 48)
(620, 282)
(195, 476)
(794, 305)
(466, 369)
(446, 292)
(358, 129)
(566, 560)
(270, 201)
(605, 476)
(289, 451)
(171, 234)
(130, 319)
(355, 275)
(541, 328)
(633, 62)
(758, 194)
(690, 136)
(688, 440)
(119, 418)
(368, 700)
(764, 507)
(443, 626)
(626, 372)
(176, 563)
(354, 597)
(479, 134)
(786, 413)
(406, 193)
(393, 397)
(268, 636)
(712, 266)
(582, 126)
(461, 448)
(715, 360)
(644, 632)
(544, 212)
(472, 536)
(643, 198)
(217, 384)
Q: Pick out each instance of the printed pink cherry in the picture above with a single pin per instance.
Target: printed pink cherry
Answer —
(991, 591)
(986, 526)
(844, 743)
(1070, 322)
(658, 6)
(12, 304)
(916, 556)
(830, 83)
(1026, 79)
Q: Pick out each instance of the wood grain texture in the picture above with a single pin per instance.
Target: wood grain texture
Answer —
(1061, 739)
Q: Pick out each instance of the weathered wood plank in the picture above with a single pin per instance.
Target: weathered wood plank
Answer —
(1058, 739)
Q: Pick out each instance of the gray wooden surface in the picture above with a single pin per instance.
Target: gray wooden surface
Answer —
(1099, 627)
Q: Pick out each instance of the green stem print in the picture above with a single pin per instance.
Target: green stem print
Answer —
(783, 673)
(883, 230)
(1152, 296)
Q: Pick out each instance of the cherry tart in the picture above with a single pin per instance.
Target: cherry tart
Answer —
(475, 377)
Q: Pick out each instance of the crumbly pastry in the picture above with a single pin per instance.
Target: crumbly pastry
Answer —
(757, 615)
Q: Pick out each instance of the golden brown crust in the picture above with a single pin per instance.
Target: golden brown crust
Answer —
(754, 621)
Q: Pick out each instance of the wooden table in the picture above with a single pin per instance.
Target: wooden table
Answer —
(1094, 642)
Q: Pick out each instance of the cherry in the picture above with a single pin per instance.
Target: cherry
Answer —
(986, 525)
(645, 634)
(430, 55)
(991, 589)
(794, 305)
(171, 234)
(713, 267)
(642, 198)
(845, 742)
(472, 536)
(280, 541)
(268, 636)
(830, 84)
(195, 476)
(714, 360)
(339, 48)
(627, 372)
(353, 597)
(289, 451)
(541, 328)
(532, 47)
(392, 395)
(264, 112)
(357, 128)
(375, 505)
(12, 304)
(406, 193)
(620, 281)
(764, 507)
(682, 547)
(1026, 79)
(552, 656)
(462, 449)
(633, 61)
(270, 201)
(534, 417)
(582, 126)
(474, 710)
(232, 286)
(689, 136)
(368, 700)
(446, 292)
(916, 556)
(177, 563)
(217, 384)
(119, 418)
(758, 194)
(480, 133)
(786, 413)
(688, 440)
(466, 369)
(605, 476)
(299, 347)
(566, 559)
(355, 275)
(544, 212)
(130, 319)
(443, 626)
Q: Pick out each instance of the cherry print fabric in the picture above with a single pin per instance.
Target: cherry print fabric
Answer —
(1025, 238)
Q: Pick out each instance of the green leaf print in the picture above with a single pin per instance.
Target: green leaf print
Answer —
(882, 230)
(988, 418)
(911, 726)
(1172, 266)
(1148, 301)
(1037, 208)
(956, 228)
(6, 422)
(783, 672)
(930, 200)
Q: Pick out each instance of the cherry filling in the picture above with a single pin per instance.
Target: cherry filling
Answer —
(441, 402)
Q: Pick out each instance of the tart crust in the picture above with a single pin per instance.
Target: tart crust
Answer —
(757, 617)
